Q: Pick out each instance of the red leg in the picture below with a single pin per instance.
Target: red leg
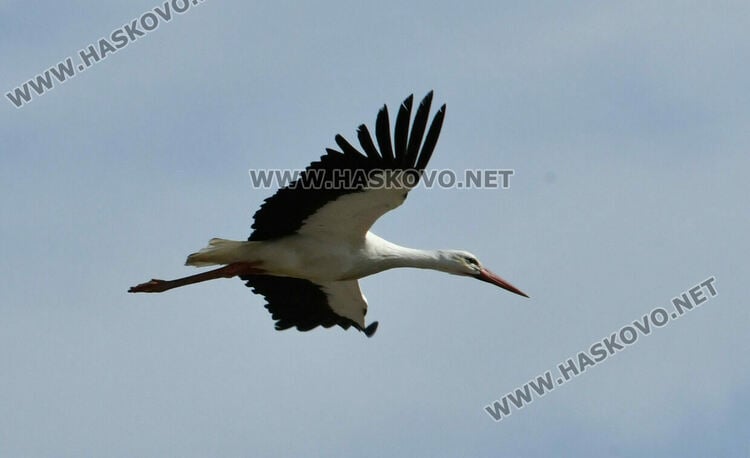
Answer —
(228, 271)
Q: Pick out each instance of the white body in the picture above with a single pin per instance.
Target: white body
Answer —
(334, 248)
(319, 258)
(324, 239)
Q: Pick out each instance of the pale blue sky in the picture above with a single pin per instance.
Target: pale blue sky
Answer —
(626, 124)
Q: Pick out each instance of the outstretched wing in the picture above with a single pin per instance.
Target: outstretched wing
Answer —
(346, 191)
(294, 302)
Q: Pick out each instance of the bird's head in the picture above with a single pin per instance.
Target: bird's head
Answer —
(464, 263)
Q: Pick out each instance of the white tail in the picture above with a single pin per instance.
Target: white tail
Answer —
(220, 251)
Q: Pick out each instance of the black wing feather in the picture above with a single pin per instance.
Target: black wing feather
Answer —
(298, 303)
(401, 133)
(347, 147)
(383, 134)
(366, 141)
(417, 130)
(301, 303)
(431, 140)
(284, 213)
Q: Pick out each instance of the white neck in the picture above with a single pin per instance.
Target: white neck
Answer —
(388, 255)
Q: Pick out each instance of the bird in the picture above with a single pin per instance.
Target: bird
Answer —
(311, 241)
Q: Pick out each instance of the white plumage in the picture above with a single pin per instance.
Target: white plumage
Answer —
(310, 246)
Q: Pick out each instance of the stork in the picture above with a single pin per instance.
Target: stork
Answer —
(311, 244)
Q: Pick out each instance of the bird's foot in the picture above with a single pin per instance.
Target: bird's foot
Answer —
(152, 286)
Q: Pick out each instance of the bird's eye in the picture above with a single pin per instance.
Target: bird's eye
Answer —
(472, 261)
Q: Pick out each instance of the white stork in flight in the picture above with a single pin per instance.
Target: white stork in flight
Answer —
(310, 245)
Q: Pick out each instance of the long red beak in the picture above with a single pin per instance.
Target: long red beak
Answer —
(489, 277)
